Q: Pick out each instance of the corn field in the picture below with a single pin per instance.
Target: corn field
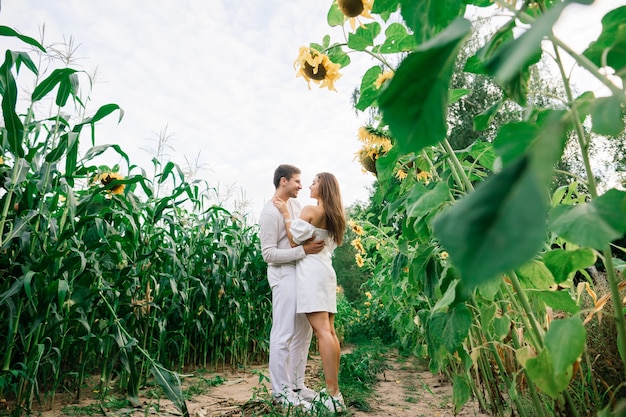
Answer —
(118, 275)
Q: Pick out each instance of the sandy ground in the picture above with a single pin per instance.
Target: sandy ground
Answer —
(404, 390)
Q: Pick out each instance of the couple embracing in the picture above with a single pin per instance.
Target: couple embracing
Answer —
(297, 244)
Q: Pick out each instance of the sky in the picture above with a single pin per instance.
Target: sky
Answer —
(216, 77)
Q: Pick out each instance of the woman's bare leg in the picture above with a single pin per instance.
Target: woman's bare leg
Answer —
(329, 348)
(336, 339)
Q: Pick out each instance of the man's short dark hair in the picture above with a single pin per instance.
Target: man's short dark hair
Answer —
(285, 170)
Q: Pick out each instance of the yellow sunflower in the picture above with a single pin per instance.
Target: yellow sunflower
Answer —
(401, 174)
(357, 229)
(107, 178)
(315, 66)
(375, 143)
(359, 260)
(352, 9)
(387, 75)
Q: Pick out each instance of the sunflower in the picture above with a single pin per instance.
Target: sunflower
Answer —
(315, 66)
(387, 75)
(359, 260)
(401, 174)
(107, 178)
(375, 143)
(352, 9)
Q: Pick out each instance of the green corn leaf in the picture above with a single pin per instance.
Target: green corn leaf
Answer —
(594, 224)
(12, 122)
(58, 152)
(7, 31)
(170, 383)
(58, 76)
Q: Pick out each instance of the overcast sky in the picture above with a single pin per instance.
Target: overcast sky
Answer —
(218, 77)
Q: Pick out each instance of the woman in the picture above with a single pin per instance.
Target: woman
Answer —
(316, 281)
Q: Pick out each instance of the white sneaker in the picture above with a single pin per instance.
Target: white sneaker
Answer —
(291, 399)
(332, 403)
(306, 393)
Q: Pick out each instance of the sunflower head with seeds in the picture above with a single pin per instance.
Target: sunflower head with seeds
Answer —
(354, 9)
(106, 178)
(312, 65)
(376, 143)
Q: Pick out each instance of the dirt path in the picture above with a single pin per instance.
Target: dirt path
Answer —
(404, 390)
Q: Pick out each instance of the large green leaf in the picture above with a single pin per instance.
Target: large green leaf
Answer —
(558, 300)
(497, 227)
(429, 18)
(607, 116)
(450, 329)
(461, 392)
(364, 36)
(12, 122)
(564, 355)
(541, 372)
(536, 275)
(369, 92)
(517, 55)
(335, 17)
(513, 140)
(610, 47)
(170, 383)
(564, 263)
(7, 31)
(415, 102)
(61, 77)
(397, 39)
(594, 224)
(421, 202)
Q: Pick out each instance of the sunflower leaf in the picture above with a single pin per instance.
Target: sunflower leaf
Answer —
(416, 100)
(364, 36)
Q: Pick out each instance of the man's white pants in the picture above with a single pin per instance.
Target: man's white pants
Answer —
(291, 333)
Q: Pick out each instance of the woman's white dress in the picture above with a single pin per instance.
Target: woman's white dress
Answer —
(316, 280)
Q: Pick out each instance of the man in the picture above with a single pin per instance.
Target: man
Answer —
(291, 333)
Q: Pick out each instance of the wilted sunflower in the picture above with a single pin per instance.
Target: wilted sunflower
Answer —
(375, 143)
(352, 9)
(315, 66)
(107, 178)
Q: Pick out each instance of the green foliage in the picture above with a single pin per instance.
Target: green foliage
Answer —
(102, 270)
(472, 249)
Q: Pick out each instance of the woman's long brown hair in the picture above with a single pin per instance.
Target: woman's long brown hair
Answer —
(333, 206)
